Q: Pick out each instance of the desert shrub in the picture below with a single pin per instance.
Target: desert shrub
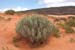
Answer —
(35, 28)
(1, 18)
(10, 12)
(72, 40)
(67, 28)
(15, 39)
(55, 32)
(63, 19)
(55, 20)
(8, 19)
(71, 22)
(71, 17)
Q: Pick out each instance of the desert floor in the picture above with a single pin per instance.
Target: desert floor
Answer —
(7, 32)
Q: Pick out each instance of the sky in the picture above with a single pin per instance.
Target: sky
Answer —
(21, 5)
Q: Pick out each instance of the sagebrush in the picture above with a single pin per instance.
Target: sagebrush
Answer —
(71, 21)
(67, 28)
(10, 12)
(35, 28)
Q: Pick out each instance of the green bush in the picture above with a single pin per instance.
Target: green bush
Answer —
(71, 22)
(55, 32)
(10, 12)
(67, 28)
(71, 17)
(35, 28)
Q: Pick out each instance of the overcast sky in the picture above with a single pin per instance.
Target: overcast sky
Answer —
(19, 5)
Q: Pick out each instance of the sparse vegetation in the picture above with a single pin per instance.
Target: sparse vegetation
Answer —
(72, 40)
(56, 20)
(48, 29)
(35, 28)
(15, 39)
(71, 21)
(8, 19)
(16, 45)
(67, 28)
(10, 12)
(1, 18)
(6, 48)
(71, 17)
(55, 32)
(63, 19)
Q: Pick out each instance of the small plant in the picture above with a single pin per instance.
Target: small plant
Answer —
(56, 20)
(55, 32)
(72, 40)
(71, 22)
(6, 48)
(15, 39)
(63, 19)
(60, 19)
(1, 18)
(10, 12)
(35, 28)
(8, 19)
(16, 45)
(67, 28)
(71, 17)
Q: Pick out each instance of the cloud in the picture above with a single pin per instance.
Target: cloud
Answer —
(56, 3)
(61, 4)
(15, 9)
(50, 1)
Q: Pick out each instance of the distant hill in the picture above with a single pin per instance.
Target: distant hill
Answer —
(65, 10)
